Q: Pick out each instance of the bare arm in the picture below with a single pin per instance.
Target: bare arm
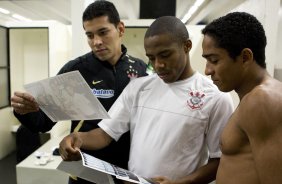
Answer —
(264, 130)
(92, 140)
(203, 175)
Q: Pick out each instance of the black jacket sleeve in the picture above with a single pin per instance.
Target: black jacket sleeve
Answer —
(36, 121)
(39, 121)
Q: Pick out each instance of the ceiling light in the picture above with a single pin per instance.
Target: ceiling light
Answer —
(19, 17)
(4, 11)
(198, 3)
(192, 10)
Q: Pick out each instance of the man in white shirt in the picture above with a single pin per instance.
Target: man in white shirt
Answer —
(175, 116)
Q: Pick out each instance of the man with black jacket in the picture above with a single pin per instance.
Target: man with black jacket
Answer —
(107, 69)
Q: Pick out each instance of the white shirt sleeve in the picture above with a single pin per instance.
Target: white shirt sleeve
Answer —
(120, 115)
(220, 114)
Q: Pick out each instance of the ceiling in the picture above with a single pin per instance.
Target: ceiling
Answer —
(60, 10)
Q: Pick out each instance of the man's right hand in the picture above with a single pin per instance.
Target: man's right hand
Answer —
(24, 103)
(69, 147)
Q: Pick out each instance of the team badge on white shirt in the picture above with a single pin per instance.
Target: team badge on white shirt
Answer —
(195, 101)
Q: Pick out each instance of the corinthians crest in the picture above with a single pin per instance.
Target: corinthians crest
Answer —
(132, 73)
(196, 100)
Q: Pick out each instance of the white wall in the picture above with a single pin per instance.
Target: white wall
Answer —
(34, 54)
(59, 42)
(28, 56)
(133, 39)
(60, 47)
(279, 40)
(278, 64)
(197, 61)
(7, 138)
(267, 13)
(79, 42)
(28, 62)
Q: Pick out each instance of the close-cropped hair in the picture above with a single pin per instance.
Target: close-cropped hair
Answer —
(236, 31)
(169, 25)
(101, 8)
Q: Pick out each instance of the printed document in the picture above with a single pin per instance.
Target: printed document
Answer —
(67, 97)
(99, 171)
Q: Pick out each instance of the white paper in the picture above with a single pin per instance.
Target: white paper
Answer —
(75, 168)
(95, 170)
(67, 97)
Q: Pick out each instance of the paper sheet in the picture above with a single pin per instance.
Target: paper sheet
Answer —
(76, 168)
(94, 169)
(67, 97)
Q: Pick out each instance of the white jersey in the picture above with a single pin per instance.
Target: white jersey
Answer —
(174, 127)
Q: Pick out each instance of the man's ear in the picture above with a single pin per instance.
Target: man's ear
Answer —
(247, 55)
(187, 45)
(121, 28)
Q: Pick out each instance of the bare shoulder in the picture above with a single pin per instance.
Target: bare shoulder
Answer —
(266, 94)
(261, 108)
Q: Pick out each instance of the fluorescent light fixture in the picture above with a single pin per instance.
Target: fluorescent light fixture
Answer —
(192, 10)
(198, 3)
(4, 11)
(19, 17)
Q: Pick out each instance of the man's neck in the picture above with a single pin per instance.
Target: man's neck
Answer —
(253, 80)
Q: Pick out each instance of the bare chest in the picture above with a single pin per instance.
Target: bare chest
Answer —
(233, 139)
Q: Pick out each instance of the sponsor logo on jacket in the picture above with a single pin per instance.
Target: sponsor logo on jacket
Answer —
(103, 93)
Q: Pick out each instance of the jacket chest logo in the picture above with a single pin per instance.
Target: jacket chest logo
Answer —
(131, 73)
(96, 82)
(195, 100)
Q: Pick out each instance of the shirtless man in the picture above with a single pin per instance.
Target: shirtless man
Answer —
(234, 47)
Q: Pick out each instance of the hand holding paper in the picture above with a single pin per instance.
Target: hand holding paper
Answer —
(24, 103)
(70, 147)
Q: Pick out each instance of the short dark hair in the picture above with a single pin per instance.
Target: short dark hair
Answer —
(168, 25)
(236, 31)
(101, 8)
